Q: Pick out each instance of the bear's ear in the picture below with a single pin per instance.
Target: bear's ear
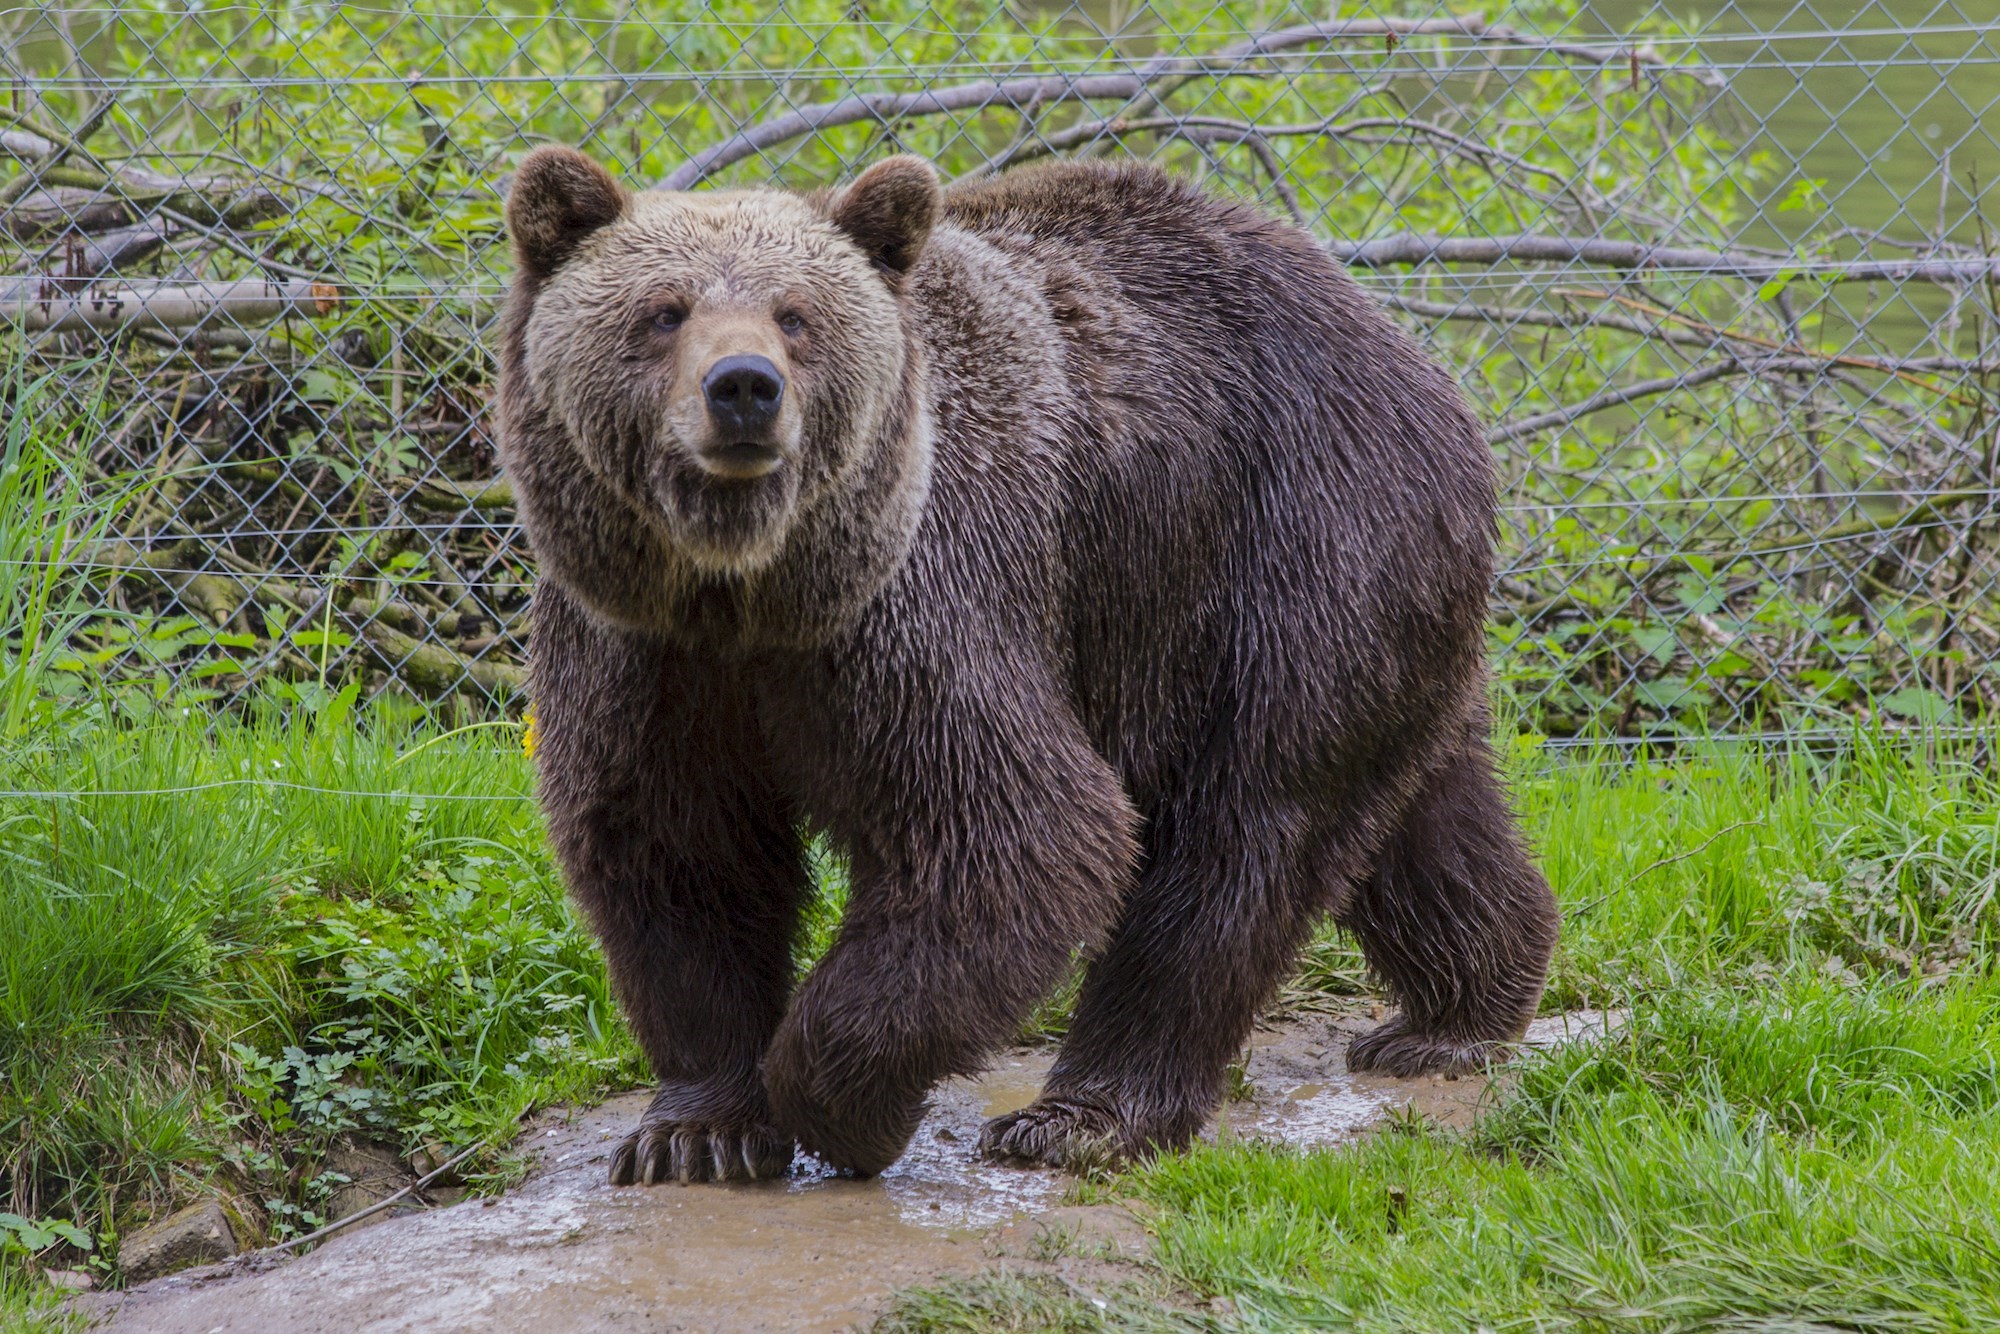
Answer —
(889, 211)
(559, 197)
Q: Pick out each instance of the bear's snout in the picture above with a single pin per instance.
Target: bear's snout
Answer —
(744, 394)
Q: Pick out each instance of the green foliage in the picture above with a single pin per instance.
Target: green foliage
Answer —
(232, 942)
(1738, 859)
(1796, 1124)
(1665, 562)
(1817, 1170)
(47, 513)
(1811, 1058)
(997, 1303)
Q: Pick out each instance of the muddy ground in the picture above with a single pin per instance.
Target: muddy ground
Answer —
(565, 1251)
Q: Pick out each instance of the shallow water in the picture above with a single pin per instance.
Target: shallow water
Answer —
(566, 1251)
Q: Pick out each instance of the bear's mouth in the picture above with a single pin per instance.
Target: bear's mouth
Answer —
(741, 460)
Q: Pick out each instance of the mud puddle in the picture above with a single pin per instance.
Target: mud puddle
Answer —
(564, 1251)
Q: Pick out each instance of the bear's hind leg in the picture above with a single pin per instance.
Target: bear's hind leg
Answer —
(1459, 924)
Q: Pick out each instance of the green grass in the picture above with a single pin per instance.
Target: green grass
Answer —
(1753, 1163)
(320, 929)
(1798, 1128)
(232, 942)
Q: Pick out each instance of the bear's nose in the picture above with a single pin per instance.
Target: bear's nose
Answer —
(743, 393)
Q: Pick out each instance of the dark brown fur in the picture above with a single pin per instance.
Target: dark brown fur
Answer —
(1138, 612)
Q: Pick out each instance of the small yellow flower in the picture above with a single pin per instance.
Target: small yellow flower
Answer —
(529, 739)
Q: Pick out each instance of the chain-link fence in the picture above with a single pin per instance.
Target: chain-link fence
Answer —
(1724, 287)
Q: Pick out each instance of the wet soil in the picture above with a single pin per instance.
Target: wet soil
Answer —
(566, 1251)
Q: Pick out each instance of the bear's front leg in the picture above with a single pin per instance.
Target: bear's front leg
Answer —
(690, 871)
(984, 850)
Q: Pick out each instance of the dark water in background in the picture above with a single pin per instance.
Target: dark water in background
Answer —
(1909, 103)
(1893, 106)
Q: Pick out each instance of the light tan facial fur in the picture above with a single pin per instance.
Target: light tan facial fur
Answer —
(628, 302)
(750, 273)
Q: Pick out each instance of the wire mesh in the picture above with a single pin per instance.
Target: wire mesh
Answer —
(1726, 290)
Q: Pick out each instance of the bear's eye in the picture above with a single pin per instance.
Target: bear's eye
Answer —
(792, 322)
(670, 319)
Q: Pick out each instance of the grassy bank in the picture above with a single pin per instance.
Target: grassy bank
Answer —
(1799, 1127)
(233, 944)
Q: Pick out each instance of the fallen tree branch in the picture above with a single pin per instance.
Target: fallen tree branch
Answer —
(210, 199)
(82, 257)
(25, 145)
(1924, 513)
(1035, 92)
(1412, 250)
(431, 668)
(361, 1215)
(167, 306)
(1612, 398)
(442, 493)
(59, 152)
(1712, 336)
(60, 209)
(29, 138)
(438, 493)
(121, 247)
(421, 663)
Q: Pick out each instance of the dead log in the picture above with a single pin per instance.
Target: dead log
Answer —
(32, 304)
(51, 211)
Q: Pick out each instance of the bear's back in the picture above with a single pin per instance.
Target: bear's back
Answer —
(1193, 313)
(1236, 465)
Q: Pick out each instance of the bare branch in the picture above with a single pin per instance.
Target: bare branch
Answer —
(25, 144)
(1225, 129)
(212, 199)
(1034, 92)
(431, 667)
(1502, 318)
(1412, 250)
(228, 242)
(163, 305)
(56, 209)
(1612, 398)
(1275, 169)
(59, 152)
(107, 252)
(442, 493)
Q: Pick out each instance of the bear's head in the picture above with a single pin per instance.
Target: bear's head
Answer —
(700, 387)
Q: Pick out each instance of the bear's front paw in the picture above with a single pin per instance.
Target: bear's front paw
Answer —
(860, 1133)
(1397, 1049)
(854, 1118)
(670, 1145)
(1058, 1132)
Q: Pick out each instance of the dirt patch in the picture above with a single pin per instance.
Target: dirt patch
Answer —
(566, 1251)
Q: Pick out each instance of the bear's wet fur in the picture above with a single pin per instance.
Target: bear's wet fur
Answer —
(1108, 581)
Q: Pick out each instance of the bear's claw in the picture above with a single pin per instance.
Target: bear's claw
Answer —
(660, 1151)
(1057, 1132)
(1397, 1049)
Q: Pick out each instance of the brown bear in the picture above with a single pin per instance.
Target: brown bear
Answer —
(1088, 560)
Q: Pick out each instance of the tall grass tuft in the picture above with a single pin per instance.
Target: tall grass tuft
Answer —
(48, 522)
